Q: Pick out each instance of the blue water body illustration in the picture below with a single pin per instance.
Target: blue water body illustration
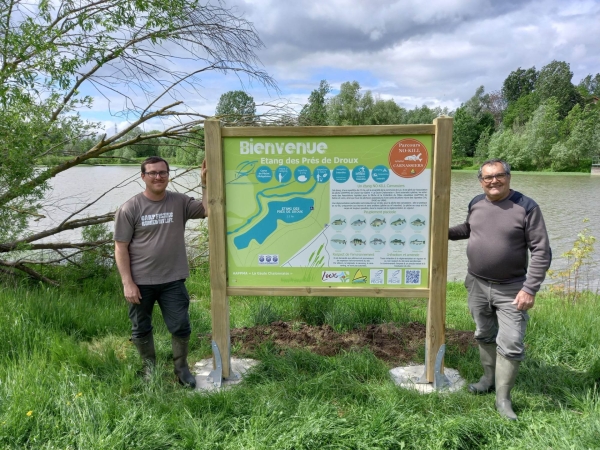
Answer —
(290, 211)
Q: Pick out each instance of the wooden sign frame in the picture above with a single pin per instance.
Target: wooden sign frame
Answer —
(441, 131)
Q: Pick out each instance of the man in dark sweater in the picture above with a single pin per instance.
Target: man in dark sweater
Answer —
(501, 226)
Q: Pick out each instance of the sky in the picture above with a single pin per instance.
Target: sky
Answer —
(435, 53)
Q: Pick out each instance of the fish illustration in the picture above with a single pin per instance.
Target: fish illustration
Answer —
(417, 242)
(339, 241)
(358, 223)
(244, 169)
(398, 222)
(357, 241)
(416, 157)
(418, 223)
(339, 221)
(397, 242)
(377, 222)
(378, 241)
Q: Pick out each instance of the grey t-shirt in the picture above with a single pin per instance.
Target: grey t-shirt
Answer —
(500, 234)
(155, 232)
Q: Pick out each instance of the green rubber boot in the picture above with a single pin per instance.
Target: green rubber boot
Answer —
(145, 347)
(506, 374)
(487, 355)
(180, 353)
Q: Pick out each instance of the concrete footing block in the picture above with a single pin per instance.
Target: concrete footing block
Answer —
(239, 368)
(408, 376)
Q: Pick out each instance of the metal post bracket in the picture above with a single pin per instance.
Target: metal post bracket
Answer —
(217, 373)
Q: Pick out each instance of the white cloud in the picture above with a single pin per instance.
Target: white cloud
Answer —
(436, 53)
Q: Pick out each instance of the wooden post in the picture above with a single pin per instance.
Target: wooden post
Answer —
(438, 253)
(217, 242)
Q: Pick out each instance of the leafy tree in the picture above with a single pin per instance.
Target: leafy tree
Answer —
(54, 53)
(495, 104)
(518, 113)
(468, 129)
(141, 149)
(508, 145)
(554, 80)
(315, 111)
(541, 133)
(236, 107)
(387, 112)
(581, 130)
(590, 86)
(474, 106)
(519, 82)
(470, 121)
(424, 114)
(351, 107)
(482, 148)
(465, 134)
(344, 108)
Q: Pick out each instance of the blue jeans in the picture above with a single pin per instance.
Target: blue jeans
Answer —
(174, 302)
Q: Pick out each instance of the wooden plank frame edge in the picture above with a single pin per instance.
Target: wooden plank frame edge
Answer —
(311, 291)
(438, 255)
(217, 242)
(376, 130)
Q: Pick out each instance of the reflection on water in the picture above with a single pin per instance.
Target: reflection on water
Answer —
(565, 201)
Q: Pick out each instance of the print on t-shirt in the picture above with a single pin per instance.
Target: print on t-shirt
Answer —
(156, 219)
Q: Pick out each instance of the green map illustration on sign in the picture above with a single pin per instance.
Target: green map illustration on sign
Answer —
(320, 211)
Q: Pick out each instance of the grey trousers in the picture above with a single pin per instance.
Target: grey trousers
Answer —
(496, 318)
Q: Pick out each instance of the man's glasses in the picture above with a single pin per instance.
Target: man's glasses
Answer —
(498, 176)
(162, 174)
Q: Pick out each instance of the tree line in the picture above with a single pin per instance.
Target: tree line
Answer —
(538, 120)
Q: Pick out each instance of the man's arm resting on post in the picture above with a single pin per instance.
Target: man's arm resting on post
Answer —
(459, 232)
(130, 289)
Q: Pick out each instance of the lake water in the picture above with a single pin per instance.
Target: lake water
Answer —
(565, 201)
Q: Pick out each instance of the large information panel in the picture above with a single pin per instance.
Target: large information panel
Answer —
(328, 211)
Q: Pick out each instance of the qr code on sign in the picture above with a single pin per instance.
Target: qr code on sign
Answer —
(412, 277)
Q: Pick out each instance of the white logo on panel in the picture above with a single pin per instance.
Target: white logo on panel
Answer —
(394, 276)
(376, 276)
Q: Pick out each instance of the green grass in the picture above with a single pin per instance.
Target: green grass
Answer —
(65, 356)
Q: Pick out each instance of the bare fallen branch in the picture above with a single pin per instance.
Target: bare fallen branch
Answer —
(29, 271)
(72, 225)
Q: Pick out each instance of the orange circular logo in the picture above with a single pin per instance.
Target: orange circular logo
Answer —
(408, 158)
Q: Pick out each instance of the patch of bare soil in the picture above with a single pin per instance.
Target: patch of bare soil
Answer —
(388, 342)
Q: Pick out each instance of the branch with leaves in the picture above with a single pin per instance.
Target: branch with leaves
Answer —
(143, 61)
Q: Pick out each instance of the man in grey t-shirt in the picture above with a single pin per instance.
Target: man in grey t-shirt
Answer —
(502, 226)
(151, 258)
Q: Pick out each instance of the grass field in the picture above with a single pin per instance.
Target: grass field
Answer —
(69, 380)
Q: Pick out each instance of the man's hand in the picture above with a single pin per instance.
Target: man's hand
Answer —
(524, 301)
(203, 173)
(132, 293)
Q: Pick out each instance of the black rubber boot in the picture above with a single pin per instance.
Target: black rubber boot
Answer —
(506, 374)
(145, 347)
(487, 354)
(180, 353)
